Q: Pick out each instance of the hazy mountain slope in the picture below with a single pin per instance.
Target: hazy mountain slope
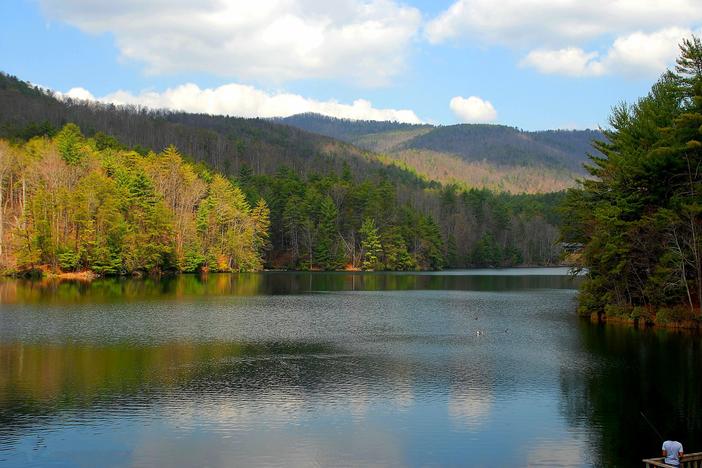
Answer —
(451, 169)
(390, 140)
(508, 146)
(492, 156)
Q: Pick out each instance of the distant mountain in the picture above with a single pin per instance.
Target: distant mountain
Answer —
(492, 156)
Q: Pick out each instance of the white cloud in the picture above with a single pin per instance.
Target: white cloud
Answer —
(572, 61)
(641, 53)
(473, 109)
(643, 34)
(245, 101)
(554, 22)
(635, 54)
(79, 93)
(275, 40)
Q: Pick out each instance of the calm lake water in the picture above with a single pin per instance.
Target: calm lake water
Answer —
(300, 369)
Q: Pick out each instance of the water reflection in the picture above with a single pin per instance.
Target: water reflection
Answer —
(623, 372)
(21, 291)
(470, 406)
(332, 369)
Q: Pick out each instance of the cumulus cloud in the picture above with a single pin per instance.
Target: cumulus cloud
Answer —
(572, 61)
(473, 109)
(646, 33)
(245, 101)
(553, 22)
(275, 40)
(634, 54)
(641, 53)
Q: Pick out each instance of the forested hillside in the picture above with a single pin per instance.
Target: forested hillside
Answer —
(331, 204)
(71, 203)
(347, 129)
(639, 217)
(488, 156)
(561, 149)
(224, 143)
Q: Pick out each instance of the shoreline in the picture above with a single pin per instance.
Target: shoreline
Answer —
(89, 275)
(687, 324)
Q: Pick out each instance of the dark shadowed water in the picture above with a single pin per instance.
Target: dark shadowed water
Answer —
(298, 369)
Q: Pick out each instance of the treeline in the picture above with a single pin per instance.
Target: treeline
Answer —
(345, 129)
(483, 228)
(73, 203)
(476, 227)
(332, 220)
(639, 218)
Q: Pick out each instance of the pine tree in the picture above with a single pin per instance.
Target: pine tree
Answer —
(260, 216)
(326, 248)
(68, 142)
(639, 217)
(370, 245)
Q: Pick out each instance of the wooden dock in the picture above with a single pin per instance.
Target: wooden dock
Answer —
(692, 460)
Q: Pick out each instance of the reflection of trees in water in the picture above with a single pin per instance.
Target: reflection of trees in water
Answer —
(626, 371)
(227, 383)
(21, 291)
(52, 290)
(39, 381)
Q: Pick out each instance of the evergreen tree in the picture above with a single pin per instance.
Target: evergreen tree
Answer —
(68, 142)
(639, 217)
(326, 248)
(370, 245)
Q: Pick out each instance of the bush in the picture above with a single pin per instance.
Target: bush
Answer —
(672, 314)
(69, 260)
(644, 314)
(619, 311)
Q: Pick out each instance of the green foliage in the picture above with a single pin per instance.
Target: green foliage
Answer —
(417, 230)
(68, 142)
(370, 245)
(326, 253)
(120, 212)
(639, 218)
(103, 142)
(69, 260)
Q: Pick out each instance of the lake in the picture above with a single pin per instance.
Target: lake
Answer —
(458, 368)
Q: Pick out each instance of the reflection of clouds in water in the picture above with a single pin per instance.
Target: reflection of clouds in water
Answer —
(554, 453)
(402, 396)
(222, 411)
(369, 446)
(469, 406)
(280, 406)
(230, 431)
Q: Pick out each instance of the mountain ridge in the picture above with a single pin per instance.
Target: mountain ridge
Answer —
(563, 146)
(497, 157)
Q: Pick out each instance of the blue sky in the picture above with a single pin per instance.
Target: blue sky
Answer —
(549, 64)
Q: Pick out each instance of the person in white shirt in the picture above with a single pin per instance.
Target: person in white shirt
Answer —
(673, 452)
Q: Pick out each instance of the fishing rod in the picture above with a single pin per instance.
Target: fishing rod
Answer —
(651, 425)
